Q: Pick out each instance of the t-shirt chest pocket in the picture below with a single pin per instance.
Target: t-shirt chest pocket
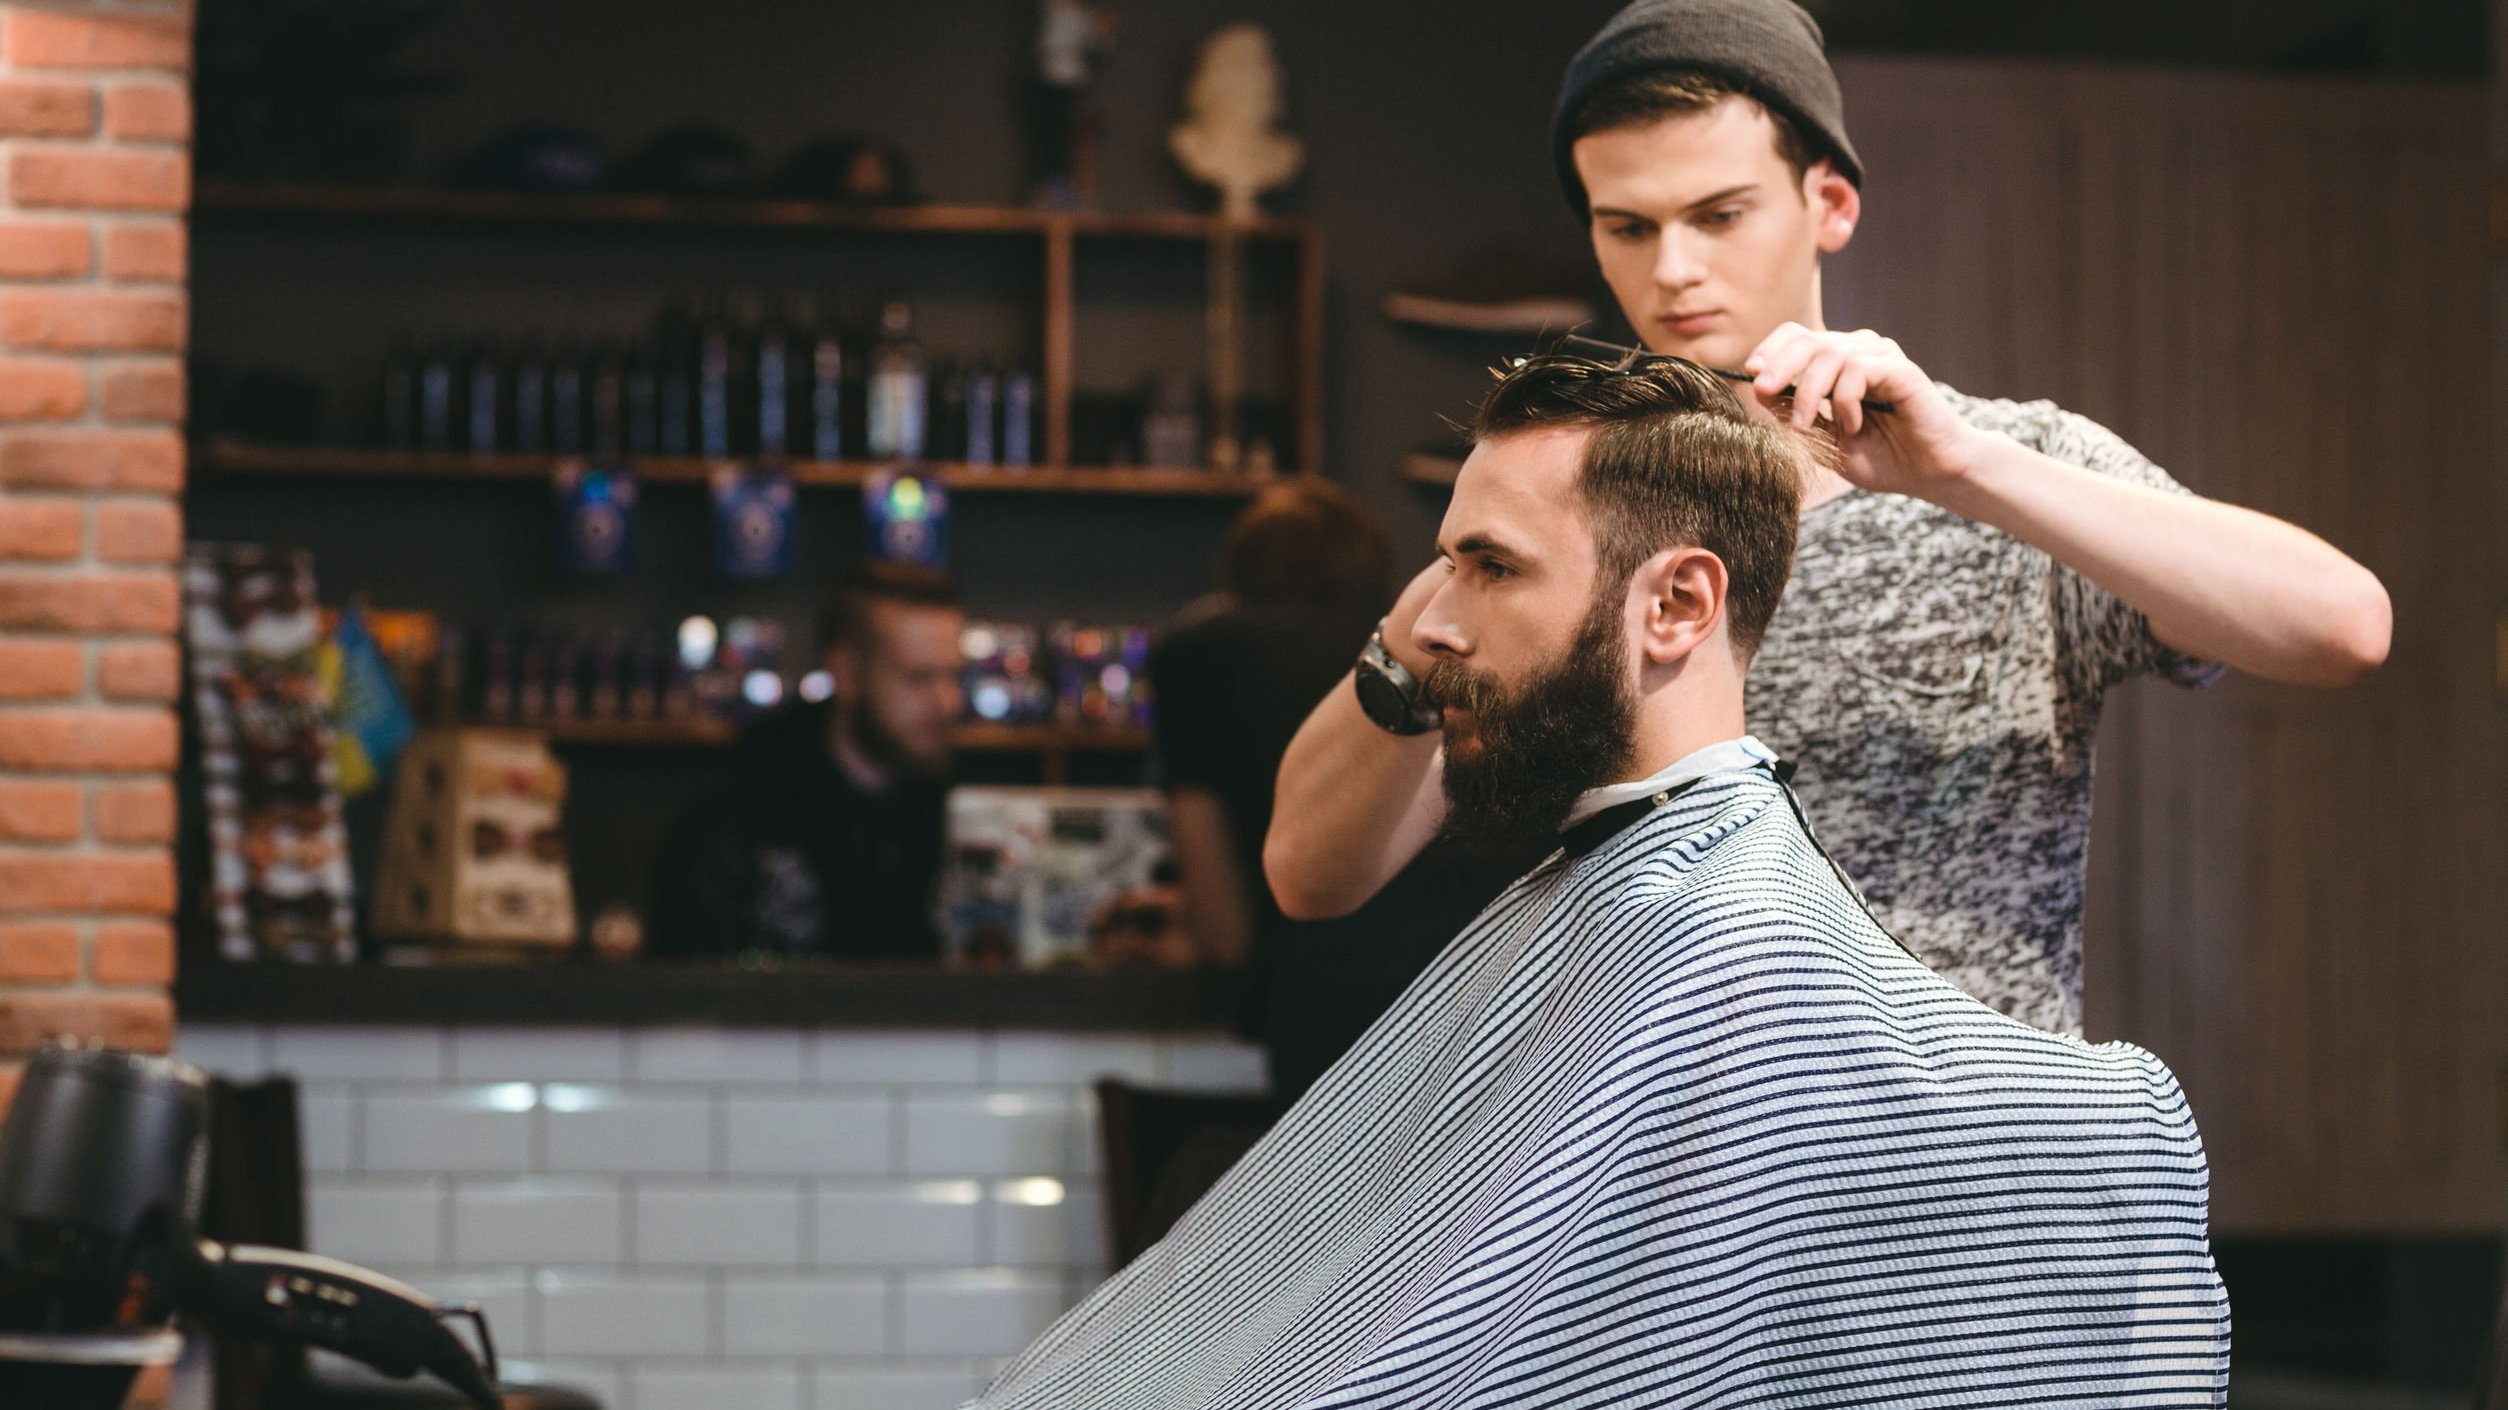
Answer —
(1920, 661)
(1931, 643)
(1925, 675)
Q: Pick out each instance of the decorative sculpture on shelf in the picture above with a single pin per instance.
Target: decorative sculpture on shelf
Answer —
(1228, 138)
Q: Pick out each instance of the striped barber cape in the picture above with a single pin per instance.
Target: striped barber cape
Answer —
(1674, 1123)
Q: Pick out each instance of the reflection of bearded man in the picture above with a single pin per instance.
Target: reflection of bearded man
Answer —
(1516, 760)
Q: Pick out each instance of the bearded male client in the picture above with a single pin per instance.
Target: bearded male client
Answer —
(1673, 1122)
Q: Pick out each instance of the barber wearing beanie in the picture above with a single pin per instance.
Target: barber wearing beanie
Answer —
(1972, 577)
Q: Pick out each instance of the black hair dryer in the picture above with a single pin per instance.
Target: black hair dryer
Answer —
(101, 1163)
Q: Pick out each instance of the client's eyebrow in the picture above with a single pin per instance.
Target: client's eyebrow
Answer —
(1482, 541)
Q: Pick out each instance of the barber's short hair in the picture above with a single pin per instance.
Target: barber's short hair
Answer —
(845, 613)
(1655, 94)
(1306, 542)
(1674, 461)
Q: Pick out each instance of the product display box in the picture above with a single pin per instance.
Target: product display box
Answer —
(1036, 877)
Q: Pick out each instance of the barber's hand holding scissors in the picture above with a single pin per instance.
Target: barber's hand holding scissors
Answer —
(1895, 431)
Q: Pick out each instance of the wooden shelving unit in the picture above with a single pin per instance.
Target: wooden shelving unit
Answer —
(1052, 744)
(348, 213)
(1057, 231)
(974, 737)
(635, 734)
(1053, 739)
(216, 198)
(234, 459)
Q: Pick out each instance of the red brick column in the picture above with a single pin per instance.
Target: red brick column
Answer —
(95, 174)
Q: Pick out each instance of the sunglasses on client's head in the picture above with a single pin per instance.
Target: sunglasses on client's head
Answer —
(1624, 358)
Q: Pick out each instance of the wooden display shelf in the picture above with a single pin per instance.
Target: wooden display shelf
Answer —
(972, 738)
(697, 733)
(1050, 739)
(229, 458)
(1057, 234)
(216, 198)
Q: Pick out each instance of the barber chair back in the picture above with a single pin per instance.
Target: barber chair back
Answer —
(1162, 1151)
(2492, 1392)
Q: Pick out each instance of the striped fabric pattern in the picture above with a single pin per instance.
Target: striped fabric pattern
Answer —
(1676, 1124)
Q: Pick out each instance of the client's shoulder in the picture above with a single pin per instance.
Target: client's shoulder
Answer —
(1737, 896)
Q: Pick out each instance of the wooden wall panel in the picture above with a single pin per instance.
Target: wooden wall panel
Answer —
(2278, 290)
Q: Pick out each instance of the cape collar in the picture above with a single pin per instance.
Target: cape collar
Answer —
(1604, 813)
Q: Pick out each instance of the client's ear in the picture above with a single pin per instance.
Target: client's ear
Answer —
(1680, 592)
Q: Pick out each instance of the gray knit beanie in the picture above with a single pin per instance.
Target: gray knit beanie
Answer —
(1769, 48)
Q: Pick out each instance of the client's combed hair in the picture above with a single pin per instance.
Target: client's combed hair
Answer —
(1674, 461)
(845, 612)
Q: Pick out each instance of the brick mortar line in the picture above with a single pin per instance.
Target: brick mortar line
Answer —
(70, 568)
(57, 917)
(119, 638)
(98, 140)
(110, 7)
(83, 851)
(113, 497)
(66, 73)
(90, 777)
(101, 701)
(85, 844)
(119, 215)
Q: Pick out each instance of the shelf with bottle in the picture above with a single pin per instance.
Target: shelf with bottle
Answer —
(771, 379)
(339, 213)
(232, 198)
(227, 458)
(972, 737)
(1070, 689)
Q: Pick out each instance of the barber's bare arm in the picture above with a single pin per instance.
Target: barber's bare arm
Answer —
(2216, 581)
(1354, 804)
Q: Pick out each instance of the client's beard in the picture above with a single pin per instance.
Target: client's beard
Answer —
(882, 746)
(1568, 729)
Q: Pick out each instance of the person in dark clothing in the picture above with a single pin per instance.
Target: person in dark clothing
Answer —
(1302, 579)
(827, 840)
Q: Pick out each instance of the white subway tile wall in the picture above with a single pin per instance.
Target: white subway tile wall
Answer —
(470, 1130)
(627, 1131)
(976, 1311)
(901, 1224)
(377, 1221)
(538, 1055)
(638, 1315)
(326, 1127)
(989, 1133)
(806, 1317)
(718, 1223)
(718, 1387)
(808, 1134)
(686, 1217)
(538, 1220)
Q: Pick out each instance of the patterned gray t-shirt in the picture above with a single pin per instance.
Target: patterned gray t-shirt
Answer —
(1938, 684)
